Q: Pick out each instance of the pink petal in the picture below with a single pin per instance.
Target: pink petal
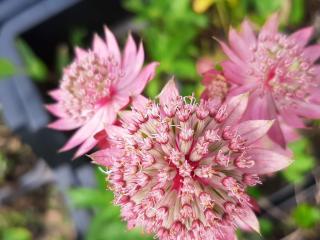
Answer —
(133, 69)
(253, 130)
(234, 73)
(302, 36)
(169, 92)
(248, 34)
(312, 53)
(80, 53)
(316, 69)
(231, 54)
(292, 119)
(105, 157)
(118, 102)
(64, 124)
(271, 26)
(129, 53)
(228, 233)
(55, 94)
(236, 106)
(112, 45)
(56, 110)
(138, 84)
(242, 89)
(100, 47)
(240, 47)
(289, 133)
(85, 147)
(307, 109)
(139, 102)
(266, 161)
(94, 125)
(263, 107)
(247, 220)
(203, 65)
(126, 116)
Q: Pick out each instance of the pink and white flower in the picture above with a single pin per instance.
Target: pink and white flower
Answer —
(216, 85)
(95, 86)
(180, 169)
(280, 73)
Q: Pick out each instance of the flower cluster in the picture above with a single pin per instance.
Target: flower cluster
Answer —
(179, 167)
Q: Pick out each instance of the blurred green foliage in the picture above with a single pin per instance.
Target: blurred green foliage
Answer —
(34, 66)
(7, 68)
(303, 161)
(233, 11)
(170, 32)
(306, 216)
(106, 224)
(3, 166)
(16, 233)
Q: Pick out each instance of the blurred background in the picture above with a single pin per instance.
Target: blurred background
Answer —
(45, 195)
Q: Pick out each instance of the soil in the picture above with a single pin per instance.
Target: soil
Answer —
(42, 212)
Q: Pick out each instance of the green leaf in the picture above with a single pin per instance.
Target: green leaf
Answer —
(153, 88)
(297, 12)
(254, 192)
(35, 67)
(16, 233)
(303, 162)
(7, 68)
(78, 35)
(90, 197)
(106, 225)
(306, 216)
(266, 226)
(62, 58)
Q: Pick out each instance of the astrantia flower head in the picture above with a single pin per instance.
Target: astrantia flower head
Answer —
(180, 169)
(280, 73)
(95, 86)
(216, 85)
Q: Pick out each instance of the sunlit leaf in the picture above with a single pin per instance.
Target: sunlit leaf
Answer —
(306, 216)
(16, 233)
(35, 67)
(7, 68)
(266, 226)
(302, 164)
(200, 6)
(90, 197)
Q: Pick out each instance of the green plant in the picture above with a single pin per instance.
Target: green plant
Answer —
(306, 216)
(3, 166)
(303, 161)
(170, 37)
(7, 68)
(34, 66)
(106, 224)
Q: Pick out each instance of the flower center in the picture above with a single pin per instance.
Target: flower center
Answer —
(87, 84)
(281, 67)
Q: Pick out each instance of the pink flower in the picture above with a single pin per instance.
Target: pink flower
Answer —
(96, 86)
(280, 73)
(180, 169)
(216, 85)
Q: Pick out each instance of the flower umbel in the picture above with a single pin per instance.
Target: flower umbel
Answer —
(96, 86)
(180, 169)
(280, 73)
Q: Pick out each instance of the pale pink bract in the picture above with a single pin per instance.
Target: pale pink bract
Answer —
(180, 169)
(280, 73)
(95, 86)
